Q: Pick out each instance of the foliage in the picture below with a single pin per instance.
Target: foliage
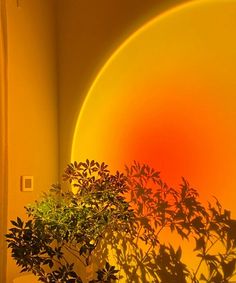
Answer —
(127, 214)
(63, 222)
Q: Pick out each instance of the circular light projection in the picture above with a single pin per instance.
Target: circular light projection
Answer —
(167, 97)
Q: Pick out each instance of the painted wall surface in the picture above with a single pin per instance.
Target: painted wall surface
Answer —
(3, 139)
(167, 98)
(32, 104)
(88, 34)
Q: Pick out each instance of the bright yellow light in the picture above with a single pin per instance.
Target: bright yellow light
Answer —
(168, 97)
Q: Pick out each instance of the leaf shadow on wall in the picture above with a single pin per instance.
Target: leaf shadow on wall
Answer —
(164, 214)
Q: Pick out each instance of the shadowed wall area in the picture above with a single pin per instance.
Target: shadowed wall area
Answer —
(46, 57)
(88, 34)
(167, 98)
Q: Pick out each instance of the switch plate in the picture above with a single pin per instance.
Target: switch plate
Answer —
(27, 183)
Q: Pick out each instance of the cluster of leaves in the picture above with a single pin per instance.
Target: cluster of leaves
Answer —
(35, 249)
(63, 223)
(126, 213)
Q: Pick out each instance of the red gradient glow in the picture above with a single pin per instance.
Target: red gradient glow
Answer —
(167, 97)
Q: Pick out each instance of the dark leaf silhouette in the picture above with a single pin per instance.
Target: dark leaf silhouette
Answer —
(124, 215)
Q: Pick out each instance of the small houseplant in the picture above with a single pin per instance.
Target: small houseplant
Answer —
(123, 214)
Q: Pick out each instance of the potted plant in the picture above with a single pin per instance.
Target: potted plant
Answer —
(115, 222)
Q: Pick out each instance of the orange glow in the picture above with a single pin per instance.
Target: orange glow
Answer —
(167, 98)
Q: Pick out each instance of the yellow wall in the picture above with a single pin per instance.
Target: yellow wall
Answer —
(3, 140)
(32, 103)
(88, 33)
(167, 98)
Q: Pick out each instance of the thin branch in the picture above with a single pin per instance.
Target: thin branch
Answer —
(75, 255)
(202, 259)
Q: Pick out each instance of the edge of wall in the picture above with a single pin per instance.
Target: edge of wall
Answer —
(3, 138)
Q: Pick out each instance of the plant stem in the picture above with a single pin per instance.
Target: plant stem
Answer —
(137, 266)
(202, 259)
(75, 255)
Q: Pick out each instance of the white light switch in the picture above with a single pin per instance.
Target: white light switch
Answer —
(27, 183)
